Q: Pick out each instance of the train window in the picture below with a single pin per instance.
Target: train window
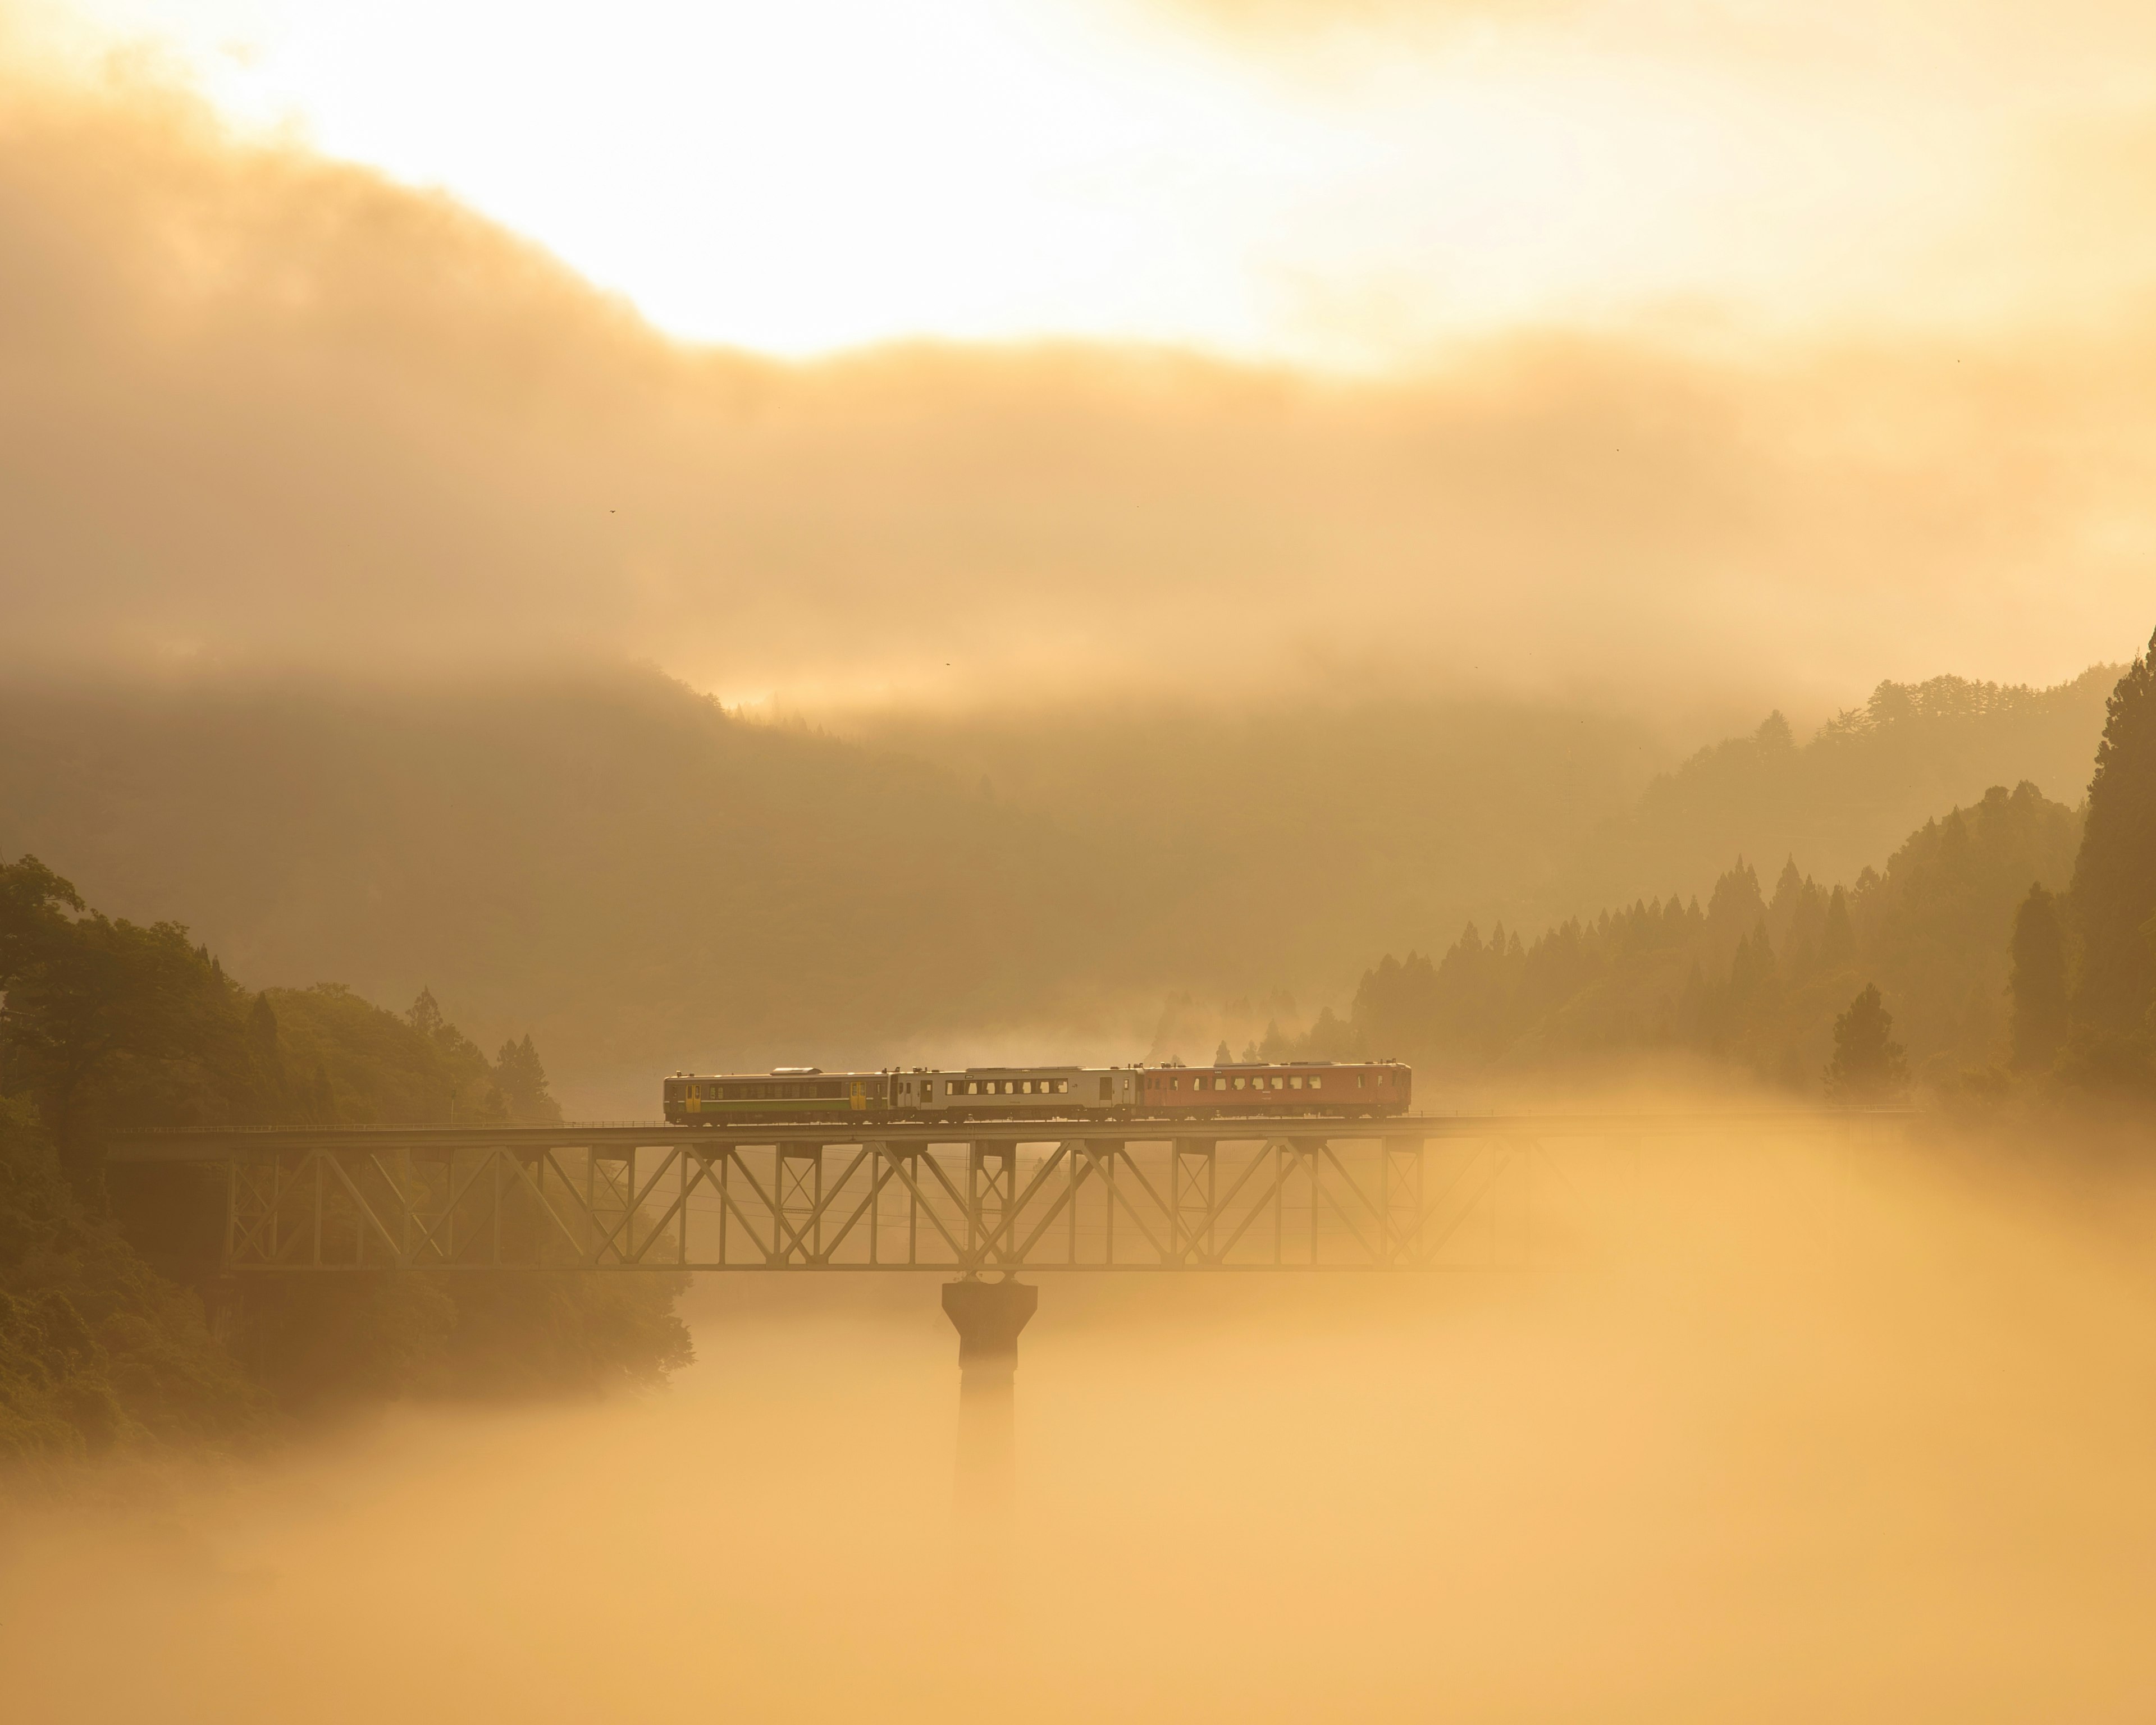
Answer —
(1295, 1084)
(1316, 1083)
(1107, 1089)
(1061, 1086)
(1361, 1079)
(1238, 1084)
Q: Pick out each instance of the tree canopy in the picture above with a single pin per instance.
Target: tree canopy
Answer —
(2114, 884)
(102, 1336)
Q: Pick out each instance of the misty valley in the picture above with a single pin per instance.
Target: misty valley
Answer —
(984, 860)
(396, 835)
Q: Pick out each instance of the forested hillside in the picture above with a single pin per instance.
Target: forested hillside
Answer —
(103, 1339)
(643, 880)
(1755, 976)
(1843, 798)
(603, 860)
(2016, 935)
(1349, 824)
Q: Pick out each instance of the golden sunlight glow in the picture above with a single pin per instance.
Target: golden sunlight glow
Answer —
(1260, 181)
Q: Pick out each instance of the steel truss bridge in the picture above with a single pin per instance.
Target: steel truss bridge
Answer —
(1417, 1193)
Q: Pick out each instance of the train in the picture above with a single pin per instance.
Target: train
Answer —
(927, 1096)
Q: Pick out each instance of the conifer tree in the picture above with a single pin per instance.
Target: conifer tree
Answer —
(426, 1014)
(520, 1082)
(2114, 889)
(2039, 981)
(1838, 938)
(1867, 1066)
(268, 1055)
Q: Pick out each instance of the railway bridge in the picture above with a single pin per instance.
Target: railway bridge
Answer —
(978, 1204)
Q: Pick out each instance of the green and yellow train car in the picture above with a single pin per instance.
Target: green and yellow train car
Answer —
(802, 1093)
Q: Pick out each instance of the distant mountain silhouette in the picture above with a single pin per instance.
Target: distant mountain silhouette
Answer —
(642, 880)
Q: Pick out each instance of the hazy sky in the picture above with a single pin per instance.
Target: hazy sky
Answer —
(1345, 182)
(1739, 353)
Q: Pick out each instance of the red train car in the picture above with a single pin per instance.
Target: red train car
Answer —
(1360, 1089)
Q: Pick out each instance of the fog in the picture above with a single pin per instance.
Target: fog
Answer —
(267, 408)
(386, 603)
(1855, 1431)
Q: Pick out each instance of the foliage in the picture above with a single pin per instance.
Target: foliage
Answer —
(644, 880)
(1753, 979)
(103, 1339)
(522, 1081)
(2114, 886)
(1867, 1068)
(2039, 981)
(1849, 794)
(95, 1349)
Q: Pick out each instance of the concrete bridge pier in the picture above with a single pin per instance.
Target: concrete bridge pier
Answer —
(988, 1316)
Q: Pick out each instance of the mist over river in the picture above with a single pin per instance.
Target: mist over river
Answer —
(1790, 1435)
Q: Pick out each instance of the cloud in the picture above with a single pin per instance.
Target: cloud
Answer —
(262, 405)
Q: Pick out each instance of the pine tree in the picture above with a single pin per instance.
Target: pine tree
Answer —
(426, 1014)
(1867, 1065)
(2114, 891)
(1837, 949)
(2039, 981)
(266, 1052)
(520, 1082)
(1221, 1057)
